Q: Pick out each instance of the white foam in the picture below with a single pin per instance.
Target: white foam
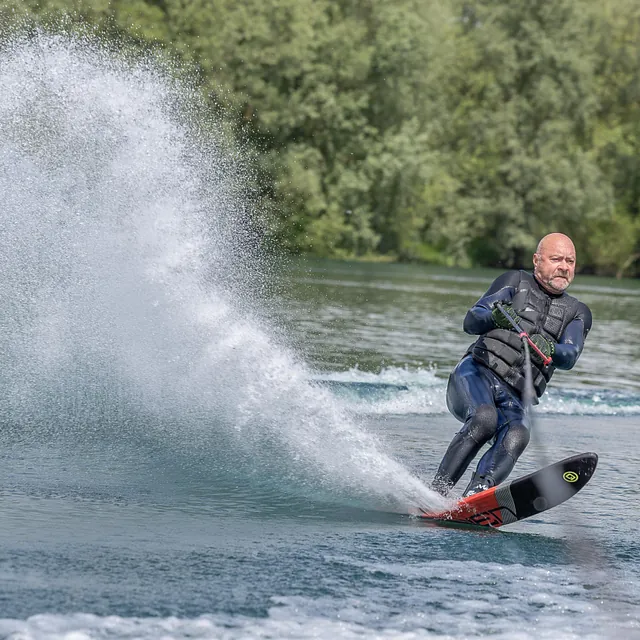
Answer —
(89, 627)
(404, 390)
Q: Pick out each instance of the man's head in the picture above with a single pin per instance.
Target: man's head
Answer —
(554, 262)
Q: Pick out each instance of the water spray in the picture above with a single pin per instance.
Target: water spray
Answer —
(129, 288)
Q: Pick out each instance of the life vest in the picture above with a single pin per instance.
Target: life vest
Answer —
(540, 312)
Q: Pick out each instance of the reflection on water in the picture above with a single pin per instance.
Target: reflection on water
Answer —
(371, 316)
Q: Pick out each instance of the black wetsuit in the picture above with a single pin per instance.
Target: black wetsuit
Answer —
(485, 388)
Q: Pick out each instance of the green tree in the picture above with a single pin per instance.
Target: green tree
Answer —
(448, 132)
(336, 96)
(515, 147)
(615, 243)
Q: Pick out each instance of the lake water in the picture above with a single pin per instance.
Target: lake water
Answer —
(190, 449)
(135, 530)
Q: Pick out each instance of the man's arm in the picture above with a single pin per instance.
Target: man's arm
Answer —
(571, 342)
(478, 319)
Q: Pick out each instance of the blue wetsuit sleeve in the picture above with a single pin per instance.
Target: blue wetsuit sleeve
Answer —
(571, 342)
(478, 319)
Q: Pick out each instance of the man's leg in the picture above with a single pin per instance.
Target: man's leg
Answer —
(511, 440)
(470, 399)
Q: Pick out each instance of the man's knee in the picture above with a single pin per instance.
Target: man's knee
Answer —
(516, 440)
(483, 423)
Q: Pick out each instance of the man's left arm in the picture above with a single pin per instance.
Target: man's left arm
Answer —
(569, 347)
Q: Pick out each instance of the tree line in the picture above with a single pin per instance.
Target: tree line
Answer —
(452, 132)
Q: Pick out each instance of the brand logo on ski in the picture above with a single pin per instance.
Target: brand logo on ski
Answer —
(491, 518)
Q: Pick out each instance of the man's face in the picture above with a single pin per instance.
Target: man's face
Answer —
(555, 265)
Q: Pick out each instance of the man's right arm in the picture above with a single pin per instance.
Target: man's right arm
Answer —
(478, 319)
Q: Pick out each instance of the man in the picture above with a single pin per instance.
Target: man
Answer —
(485, 389)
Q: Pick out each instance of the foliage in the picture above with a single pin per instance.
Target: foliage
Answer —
(455, 133)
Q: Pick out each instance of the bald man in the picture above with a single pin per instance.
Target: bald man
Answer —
(485, 390)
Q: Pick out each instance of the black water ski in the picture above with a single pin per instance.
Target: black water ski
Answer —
(523, 497)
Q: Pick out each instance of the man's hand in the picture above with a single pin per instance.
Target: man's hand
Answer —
(500, 321)
(546, 346)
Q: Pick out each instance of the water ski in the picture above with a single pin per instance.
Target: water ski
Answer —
(522, 497)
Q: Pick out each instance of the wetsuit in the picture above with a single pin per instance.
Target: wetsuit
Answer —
(485, 388)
